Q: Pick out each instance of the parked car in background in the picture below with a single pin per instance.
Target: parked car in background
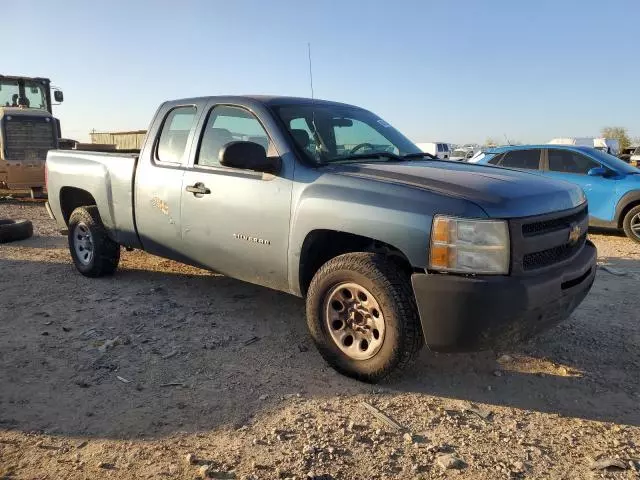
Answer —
(625, 153)
(611, 185)
(634, 159)
(458, 155)
(391, 251)
(463, 154)
(437, 149)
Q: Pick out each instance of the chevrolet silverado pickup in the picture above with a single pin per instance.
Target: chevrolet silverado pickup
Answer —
(391, 248)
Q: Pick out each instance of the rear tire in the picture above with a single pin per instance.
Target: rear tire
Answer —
(631, 224)
(93, 252)
(394, 343)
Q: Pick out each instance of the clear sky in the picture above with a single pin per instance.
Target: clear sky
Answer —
(455, 70)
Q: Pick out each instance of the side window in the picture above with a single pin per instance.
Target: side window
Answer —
(229, 124)
(496, 160)
(528, 159)
(566, 161)
(175, 132)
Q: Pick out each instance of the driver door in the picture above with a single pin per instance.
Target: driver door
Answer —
(239, 226)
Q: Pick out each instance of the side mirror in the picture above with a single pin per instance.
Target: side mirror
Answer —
(597, 172)
(58, 96)
(248, 156)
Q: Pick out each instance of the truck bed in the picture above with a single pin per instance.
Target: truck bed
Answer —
(107, 177)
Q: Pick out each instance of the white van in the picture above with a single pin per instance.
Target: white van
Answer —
(438, 149)
(608, 145)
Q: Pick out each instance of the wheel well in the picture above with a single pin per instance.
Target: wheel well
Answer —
(625, 210)
(72, 198)
(320, 246)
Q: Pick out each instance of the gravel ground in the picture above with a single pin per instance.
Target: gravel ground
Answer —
(167, 371)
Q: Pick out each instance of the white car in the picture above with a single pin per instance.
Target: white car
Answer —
(463, 154)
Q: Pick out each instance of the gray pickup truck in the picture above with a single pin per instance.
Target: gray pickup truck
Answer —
(391, 248)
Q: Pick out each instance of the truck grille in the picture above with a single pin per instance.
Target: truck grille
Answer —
(552, 255)
(28, 138)
(546, 226)
(548, 240)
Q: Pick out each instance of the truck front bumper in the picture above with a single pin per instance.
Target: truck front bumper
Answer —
(464, 313)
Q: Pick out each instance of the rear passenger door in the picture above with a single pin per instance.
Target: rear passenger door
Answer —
(158, 181)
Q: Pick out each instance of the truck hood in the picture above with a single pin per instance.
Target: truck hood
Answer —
(500, 192)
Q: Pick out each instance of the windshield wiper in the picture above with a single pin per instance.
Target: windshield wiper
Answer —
(363, 156)
(388, 156)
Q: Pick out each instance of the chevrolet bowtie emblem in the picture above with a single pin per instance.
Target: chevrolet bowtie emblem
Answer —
(575, 233)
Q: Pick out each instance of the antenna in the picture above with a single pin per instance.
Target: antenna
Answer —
(310, 70)
(507, 139)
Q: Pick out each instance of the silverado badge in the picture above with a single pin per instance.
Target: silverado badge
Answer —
(574, 234)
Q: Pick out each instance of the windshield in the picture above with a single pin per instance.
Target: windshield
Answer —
(459, 153)
(613, 162)
(333, 133)
(34, 94)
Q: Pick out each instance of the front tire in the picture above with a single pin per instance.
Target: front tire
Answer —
(362, 316)
(93, 252)
(631, 224)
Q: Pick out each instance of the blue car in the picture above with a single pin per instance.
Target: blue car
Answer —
(612, 186)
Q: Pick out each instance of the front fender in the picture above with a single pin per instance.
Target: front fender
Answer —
(632, 196)
(397, 215)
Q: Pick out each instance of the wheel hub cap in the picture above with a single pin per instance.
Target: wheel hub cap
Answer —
(83, 243)
(354, 320)
(635, 225)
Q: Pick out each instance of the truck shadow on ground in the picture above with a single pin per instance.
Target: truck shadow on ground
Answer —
(43, 242)
(148, 353)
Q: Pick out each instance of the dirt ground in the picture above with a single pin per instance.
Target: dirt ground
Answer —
(124, 377)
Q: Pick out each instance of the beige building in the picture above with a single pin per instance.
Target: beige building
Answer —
(122, 140)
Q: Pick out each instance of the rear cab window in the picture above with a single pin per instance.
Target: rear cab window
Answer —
(173, 140)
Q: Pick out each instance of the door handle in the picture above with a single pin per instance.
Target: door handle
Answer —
(198, 189)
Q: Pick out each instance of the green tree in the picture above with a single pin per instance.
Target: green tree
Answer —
(617, 133)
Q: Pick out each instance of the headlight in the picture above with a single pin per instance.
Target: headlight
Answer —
(469, 246)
